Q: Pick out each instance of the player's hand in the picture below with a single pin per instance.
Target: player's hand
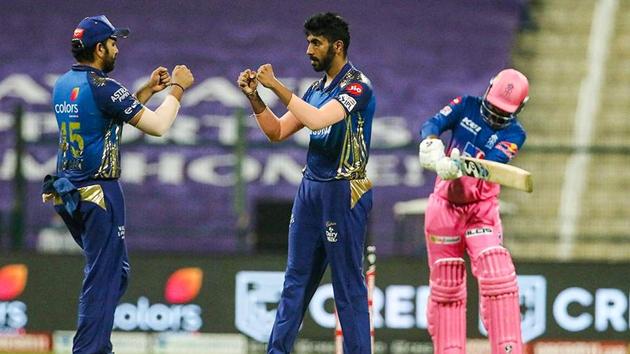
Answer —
(431, 151)
(266, 76)
(448, 168)
(247, 82)
(182, 76)
(159, 80)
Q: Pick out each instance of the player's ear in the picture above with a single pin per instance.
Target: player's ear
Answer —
(99, 50)
(338, 45)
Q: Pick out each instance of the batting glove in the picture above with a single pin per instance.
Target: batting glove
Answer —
(431, 151)
(448, 168)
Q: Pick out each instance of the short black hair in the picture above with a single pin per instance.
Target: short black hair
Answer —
(330, 25)
(82, 54)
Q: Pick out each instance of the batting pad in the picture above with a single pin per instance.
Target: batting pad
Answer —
(447, 306)
(498, 288)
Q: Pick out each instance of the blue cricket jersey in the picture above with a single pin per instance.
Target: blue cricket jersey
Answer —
(472, 135)
(341, 150)
(476, 138)
(91, 109)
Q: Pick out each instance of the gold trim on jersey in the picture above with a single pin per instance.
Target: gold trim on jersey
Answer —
(358, 187)
(110, 166)
(93, 194)
(354, 155)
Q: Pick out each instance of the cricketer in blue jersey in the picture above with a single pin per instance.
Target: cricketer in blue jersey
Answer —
(331, 207)
(462, 215)
(91, 109)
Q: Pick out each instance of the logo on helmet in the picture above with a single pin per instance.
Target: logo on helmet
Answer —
(508, 89)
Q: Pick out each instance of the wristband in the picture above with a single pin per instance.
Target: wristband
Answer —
(180, 86)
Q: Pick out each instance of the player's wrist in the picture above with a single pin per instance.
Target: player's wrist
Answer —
(175, 84)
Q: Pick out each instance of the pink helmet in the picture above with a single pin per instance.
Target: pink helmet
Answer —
(507, 93)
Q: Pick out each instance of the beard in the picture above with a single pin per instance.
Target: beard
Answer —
(323, 64)
(109, 62)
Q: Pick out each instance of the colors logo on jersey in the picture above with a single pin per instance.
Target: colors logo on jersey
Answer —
(183, 285)
(508, 148)
(456, 100)
(12, 281)
(354, 89)
(74, 94)
(78, 33)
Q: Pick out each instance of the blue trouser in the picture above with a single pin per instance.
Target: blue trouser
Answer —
(100, 233)
(324, 229)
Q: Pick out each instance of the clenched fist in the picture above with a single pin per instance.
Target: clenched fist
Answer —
(266, 76)
(159, 80)
(182, 76)
(247, 82)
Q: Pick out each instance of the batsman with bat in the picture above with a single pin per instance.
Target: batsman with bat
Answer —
(463, 215)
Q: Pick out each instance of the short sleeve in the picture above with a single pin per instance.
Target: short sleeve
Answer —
(115, 100)
(506, 149)
(355, 96)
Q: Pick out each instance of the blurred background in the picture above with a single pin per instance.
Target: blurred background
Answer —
(208, 205)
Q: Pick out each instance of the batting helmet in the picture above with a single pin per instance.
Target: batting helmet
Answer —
(505, 97)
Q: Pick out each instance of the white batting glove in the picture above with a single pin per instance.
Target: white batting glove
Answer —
(448, 168)
(431, 151)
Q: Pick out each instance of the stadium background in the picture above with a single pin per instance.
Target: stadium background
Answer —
(209, 204)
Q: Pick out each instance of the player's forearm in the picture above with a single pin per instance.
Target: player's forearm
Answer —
(316, 118)
(283, 93)
(144, 94)
(258, 105)
(158, 122)
(269, 124)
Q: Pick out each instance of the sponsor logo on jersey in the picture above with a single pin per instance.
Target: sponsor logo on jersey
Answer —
(130, 109)
(469, 125)
(119, 95)
(446, 110)
(74, 94)
(444, 240)
(347, 101)
(66, 107)
(491, 141)
(481, 231)
(354, 89)
(473, 151)
(508, 148)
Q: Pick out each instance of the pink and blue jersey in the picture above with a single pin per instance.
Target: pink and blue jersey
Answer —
(473, 137)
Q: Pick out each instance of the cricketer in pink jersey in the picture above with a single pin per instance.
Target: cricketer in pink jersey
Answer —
(463, 215)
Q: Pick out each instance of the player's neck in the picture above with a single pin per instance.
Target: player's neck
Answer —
(94, 64)
(335, 68)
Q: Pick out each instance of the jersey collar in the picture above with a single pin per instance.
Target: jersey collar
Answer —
(338, 77)
(82, 67)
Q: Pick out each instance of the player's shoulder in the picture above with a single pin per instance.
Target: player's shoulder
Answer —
(354, 75)
(515, 130)
(101, 81)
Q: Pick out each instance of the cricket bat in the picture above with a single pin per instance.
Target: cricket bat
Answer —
(496, 172)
